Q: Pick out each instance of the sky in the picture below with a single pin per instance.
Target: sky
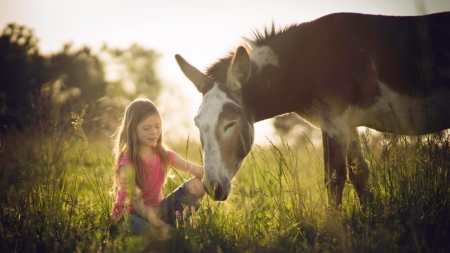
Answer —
(200, 30)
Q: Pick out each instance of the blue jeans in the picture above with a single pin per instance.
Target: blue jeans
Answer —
(166, 210)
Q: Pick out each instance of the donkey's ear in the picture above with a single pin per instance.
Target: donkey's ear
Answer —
(239, 71)
(193, 74)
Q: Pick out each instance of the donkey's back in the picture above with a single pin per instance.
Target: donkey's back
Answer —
(418, 47)
(386, 72)
(412, 58)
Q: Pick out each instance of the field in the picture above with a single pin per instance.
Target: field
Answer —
(56, 197)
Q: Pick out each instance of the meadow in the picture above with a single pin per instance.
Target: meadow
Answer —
(56, 197)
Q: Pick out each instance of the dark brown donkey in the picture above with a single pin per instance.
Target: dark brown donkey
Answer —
(338, 72)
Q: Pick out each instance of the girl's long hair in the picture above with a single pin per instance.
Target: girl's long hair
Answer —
(126, 141)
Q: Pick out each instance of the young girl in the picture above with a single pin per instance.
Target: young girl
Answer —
(141, 166)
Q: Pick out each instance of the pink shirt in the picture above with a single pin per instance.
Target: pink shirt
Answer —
(152, 191)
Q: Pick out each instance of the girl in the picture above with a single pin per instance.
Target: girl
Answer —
(141, 166)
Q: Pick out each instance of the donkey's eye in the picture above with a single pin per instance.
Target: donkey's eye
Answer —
(229, 125)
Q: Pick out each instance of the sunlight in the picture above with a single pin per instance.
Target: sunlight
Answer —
(201, 31)
(60, 180)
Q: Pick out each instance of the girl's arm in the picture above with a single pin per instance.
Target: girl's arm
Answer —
(186, 166)
(127, 182)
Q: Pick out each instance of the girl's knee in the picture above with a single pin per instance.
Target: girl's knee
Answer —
(195, 186)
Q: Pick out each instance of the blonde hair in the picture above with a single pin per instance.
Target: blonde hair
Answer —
(126, 141)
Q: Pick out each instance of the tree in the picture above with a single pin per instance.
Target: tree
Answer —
(137, 76)
(37, 90)
(79, 69)
(77, 80)
(133, 72)
(22, 71)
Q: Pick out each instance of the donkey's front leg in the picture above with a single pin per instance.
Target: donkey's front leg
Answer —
(358, 168)
(335, 168)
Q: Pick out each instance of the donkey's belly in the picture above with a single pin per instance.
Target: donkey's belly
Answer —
(402, 114)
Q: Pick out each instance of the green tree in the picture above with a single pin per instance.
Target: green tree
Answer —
(134, 75)
(137, 76)
(77, 80)
(42, 90)
(80, 69)
(22, 72)
(37, 90)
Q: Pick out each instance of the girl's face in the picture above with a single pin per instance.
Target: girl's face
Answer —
(149, 130)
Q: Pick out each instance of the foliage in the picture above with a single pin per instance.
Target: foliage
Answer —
(22, 71)
(37, 88)
(56, 199)
(139, 76)
(133, 74)
(81, 69)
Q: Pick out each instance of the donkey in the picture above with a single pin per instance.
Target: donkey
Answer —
(338, 72)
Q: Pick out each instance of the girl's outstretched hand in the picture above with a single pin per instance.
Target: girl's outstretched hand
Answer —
(163, 232)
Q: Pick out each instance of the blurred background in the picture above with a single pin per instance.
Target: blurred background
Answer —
(68, 69)
(59, 56)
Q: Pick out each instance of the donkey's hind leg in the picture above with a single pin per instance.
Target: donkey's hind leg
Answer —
(358, 168)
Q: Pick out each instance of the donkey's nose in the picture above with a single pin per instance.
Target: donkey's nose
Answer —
(220, 193)
(216, 190)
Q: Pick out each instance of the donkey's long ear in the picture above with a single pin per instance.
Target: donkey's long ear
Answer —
(239, 71)
(195, 75)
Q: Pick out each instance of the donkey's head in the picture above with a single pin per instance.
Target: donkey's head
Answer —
(226, 127)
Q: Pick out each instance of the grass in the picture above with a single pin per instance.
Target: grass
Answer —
(56, 198)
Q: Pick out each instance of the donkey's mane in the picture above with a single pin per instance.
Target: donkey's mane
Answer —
(259, 38)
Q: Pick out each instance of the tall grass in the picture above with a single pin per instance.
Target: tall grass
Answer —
(53, 196)
(56, 198)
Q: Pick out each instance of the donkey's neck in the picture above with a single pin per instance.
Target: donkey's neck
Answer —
(271, 89)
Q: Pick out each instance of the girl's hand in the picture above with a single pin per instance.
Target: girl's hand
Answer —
(163, 232)
(186, 166)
